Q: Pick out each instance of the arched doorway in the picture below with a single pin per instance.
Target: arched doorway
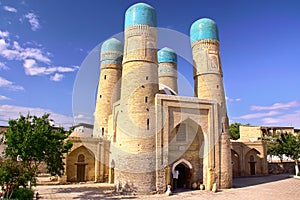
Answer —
(182, 172)
(80, 165)
(253, 163)
(184, 176)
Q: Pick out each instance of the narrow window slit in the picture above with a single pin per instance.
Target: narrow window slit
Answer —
(147, 124)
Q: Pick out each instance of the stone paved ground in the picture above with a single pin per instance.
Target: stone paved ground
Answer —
(269, 187)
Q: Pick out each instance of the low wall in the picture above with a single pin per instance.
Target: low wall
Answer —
(282, 168)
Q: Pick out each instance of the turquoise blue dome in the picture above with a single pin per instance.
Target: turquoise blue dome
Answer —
(204, 29)
(166, 55)
(140, 13)
(111, 45)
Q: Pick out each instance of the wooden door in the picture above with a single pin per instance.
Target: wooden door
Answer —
(80, 172)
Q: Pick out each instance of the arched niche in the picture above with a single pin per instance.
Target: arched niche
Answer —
(235, 159)
(253, 164)
(80, 165)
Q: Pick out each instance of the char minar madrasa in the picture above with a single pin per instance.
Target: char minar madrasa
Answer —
(145, 135)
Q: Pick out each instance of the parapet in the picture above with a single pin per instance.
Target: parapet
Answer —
(140, 13)
(204, 29)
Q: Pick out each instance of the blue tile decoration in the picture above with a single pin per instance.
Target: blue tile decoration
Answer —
(140, 13)
(204, 28)
(111, 51)
(166, 55)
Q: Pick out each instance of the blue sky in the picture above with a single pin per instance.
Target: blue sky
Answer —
(49, 55)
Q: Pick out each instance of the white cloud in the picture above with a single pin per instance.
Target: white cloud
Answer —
(3, 45)
(277, 106)
(56, 77)
(4, 98)
(291, 119)
(10, 9)
(16, 52)
(33, 20)
(258, 115)
(274, 115)
(31, 58)
(32, 69)
(4, 34)
(84, 118)
(9, 85)
(3, 66)
(232, 99)
(13, 112)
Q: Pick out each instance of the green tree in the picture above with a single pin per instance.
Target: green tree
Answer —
(273, 146)
(12, 175)
(290, 145)
(234, 130)
(33, 140)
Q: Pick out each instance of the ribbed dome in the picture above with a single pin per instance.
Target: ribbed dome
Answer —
(140, 13)
(111, 45)
(204, 29)
(166, 55)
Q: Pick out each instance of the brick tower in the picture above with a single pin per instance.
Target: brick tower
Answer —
(135, 129)
(208, 79)
(167, 68)
(108, 88)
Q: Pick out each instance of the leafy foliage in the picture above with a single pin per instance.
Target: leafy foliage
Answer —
(22, 194)
(14, 173)
(290, 145)
(34, 140)
(285, 144)
(273, 146)
(234, 130)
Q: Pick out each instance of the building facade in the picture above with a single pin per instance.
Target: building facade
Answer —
(145, 136)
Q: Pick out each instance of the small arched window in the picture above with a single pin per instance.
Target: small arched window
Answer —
(251, 158)
(80, 158)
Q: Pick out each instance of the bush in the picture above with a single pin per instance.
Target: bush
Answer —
(298, 174)
(22, 194)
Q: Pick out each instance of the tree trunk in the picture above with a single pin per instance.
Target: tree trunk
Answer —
(296, 167)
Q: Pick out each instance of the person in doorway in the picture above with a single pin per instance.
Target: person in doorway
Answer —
(175, 178)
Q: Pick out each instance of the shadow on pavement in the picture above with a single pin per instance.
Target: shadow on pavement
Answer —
(94, 193)
(240, 182)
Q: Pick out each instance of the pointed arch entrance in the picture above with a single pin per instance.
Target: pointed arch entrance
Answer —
(80, 165)
(182, 172)
(253, 165)
(186, 152)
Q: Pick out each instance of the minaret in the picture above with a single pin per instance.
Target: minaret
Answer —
(208, 79)
(135, 135)
(108, 87)
(167, 68)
